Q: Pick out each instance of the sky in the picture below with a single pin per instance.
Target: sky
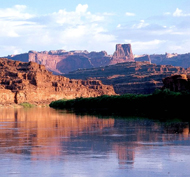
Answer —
(150, 26)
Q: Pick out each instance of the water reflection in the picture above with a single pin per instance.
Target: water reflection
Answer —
(25, 130)
(46, 134)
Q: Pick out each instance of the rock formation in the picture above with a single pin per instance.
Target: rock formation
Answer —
(122, 54)
(62, 62)
(31, 82)
(143, 58)
(130, 77)
(182, 60)
(177, 83)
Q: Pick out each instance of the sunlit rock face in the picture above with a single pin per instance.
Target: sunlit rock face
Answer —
(131, 77)
(61, 61)
(142, 58)
(122, 54)
(30, 82)
(173, 59)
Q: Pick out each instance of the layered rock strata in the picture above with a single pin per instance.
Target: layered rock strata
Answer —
(177, 83)
(182, 60)
(130, 77)
(122, 54)
(143, 58)
(30, 82)
(62, 62)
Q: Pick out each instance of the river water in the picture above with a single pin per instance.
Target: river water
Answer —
(47, 142)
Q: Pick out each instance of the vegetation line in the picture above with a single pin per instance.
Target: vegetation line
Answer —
(27, 105)
(161, 104)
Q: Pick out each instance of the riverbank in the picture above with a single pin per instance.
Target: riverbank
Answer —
(161, 105)
(23, 105)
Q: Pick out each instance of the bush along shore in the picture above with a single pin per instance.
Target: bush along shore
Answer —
(162, 104)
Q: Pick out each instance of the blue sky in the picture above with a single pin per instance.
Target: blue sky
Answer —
(151, 26)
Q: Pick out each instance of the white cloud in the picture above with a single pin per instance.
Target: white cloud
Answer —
(16, 12)
(147, 44)
(143, 47)
(175, 48)
(119, 26)
(79, 16)
(12, 20)
(167, 13)
(129, 14)
(78, 29)
(11, 49)
(81, 8)
(81, 29)
(179, 13)
(142, 24)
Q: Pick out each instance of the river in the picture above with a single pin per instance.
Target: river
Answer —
(48, 142)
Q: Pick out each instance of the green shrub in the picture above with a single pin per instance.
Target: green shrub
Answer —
(27, 105)
(162, 104)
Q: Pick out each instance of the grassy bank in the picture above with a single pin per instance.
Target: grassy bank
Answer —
(27, 105)
(160, 104)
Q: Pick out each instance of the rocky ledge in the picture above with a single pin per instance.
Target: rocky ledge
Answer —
(130, 77)
(62, 62)
(31, 82)
(177, 83)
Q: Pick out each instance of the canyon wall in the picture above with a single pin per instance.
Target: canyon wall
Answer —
(62, 62)
(174, 59)
(123, 53)
(30, 82)
(177, 83)
(128, 73)
(130, 77)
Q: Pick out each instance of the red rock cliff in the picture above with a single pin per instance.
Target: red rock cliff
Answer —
(122, 54)
(177, 83)
(31, 82)
(63, 62)
(130, 77)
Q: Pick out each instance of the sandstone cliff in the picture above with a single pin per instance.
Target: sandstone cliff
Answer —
(182, 60)
(62, 62)
(122, 54)
(130, 77)
(31, 82)
(142, 58)
(177, 83)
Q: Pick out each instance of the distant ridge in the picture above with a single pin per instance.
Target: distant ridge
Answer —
(130, 77)
(63, 62)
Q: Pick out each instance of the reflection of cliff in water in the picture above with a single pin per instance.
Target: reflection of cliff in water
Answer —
(48, 133)
(44, 128)
(147, 133)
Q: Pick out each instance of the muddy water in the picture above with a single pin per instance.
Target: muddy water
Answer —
(46, 142)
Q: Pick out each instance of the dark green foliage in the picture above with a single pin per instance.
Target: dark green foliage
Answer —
(162, 104)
